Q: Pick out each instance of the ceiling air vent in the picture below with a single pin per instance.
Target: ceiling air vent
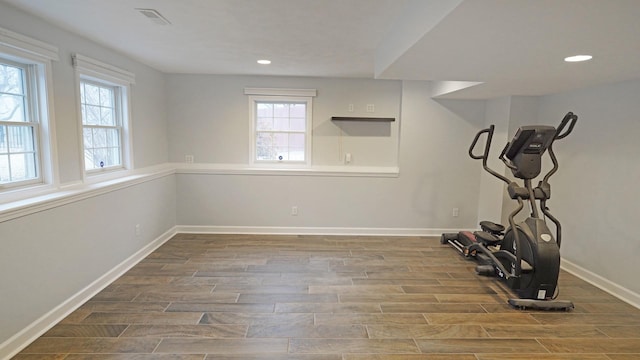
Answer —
(154, 15)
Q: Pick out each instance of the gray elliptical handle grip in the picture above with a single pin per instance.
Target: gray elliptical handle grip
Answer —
(487, 146)
(485, 154)
(570, 119)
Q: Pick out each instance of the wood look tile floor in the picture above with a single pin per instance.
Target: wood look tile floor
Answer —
(329, 298)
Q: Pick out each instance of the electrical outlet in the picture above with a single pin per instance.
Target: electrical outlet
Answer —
(347, 158)
(456, 212)
(138, 230)
(294, 211)
(371, 108)
(188, 159)
(350, 107)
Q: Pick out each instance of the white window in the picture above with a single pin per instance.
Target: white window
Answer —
(101, 125)
(280, 129)
(19, 128)
(25, 138)
(105, 121)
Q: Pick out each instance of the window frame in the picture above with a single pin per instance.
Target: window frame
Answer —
(254, 100)
(35, 58)
(101, 74)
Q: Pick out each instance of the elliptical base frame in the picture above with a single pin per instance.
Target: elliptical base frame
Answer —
(526, 304)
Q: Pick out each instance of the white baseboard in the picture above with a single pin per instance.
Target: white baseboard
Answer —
(26, 336)
(277, 230)
(598, 281)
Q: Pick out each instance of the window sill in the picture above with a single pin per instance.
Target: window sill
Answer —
(242, 169)
(58, 196)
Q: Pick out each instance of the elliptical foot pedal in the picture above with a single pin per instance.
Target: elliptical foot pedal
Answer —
(557, 305)
(486, 270)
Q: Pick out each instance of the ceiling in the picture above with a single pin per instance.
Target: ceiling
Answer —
(472, 49)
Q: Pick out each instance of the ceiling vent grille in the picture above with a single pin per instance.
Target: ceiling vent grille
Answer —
(154, 16)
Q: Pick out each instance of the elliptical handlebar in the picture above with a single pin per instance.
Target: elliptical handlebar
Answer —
(485, 155)
(487, 145)
(570, 119)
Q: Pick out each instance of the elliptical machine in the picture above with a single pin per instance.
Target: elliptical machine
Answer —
(527, 258)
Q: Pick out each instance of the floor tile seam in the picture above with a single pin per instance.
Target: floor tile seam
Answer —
(123, 331)
(544, 347)
(157, 345)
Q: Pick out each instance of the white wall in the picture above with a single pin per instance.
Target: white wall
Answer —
(595, 193)
(49, 256)
(435, 174)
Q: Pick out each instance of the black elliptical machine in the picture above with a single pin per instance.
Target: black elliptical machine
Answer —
(527, 257)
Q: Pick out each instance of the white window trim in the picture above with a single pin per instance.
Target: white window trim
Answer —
(100, 72)
(26, 50)
(285, 95)
(281, 92)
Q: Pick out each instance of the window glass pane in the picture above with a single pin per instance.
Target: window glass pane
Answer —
(283, 153)
(281, 124)
(264, 110)
(296, 140)
(102, 147)
(91, 115)
(5, 174)
(99, 138)
(264, 123)
(265, 139)
(12, 94)
(296, 147)
(113, 156)
(87, 135)
(12, 108)
(296, 154)
(106, 97)
(11, 80)
(113, 138)
(91, 94)
(280, 110)
(298, 124)
(21, 139)
(100, 157)
(265, 149)
(23, 166)
(281, 140)
(298, 110)
(106, 117)
(89, 161)
(82, 96)
(4, 140)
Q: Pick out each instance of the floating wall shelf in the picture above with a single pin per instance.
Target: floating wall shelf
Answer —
(358, 118)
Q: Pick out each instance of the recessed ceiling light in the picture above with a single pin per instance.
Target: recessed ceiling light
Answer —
(578, 58)
(264, 62)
